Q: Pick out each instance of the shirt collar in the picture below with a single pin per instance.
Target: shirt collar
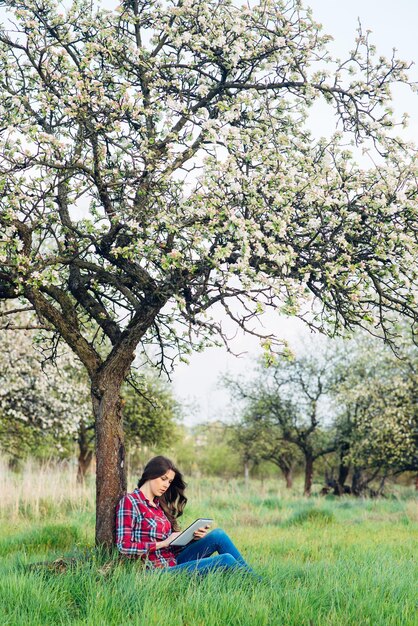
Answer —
(143, 497)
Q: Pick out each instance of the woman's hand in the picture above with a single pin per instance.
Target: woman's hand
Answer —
(201, 532)
(166, 542)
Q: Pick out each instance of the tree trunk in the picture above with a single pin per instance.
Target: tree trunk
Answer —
(356, 485)
(309, 461)
(416, 482)
(288, 476)
(246, 473)
(84, 463)
(382, 484)
(85, 454)
(342, 477)
(285, 463)
(110, 455)
(14, 464)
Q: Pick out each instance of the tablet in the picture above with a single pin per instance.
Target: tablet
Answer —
(187, 534)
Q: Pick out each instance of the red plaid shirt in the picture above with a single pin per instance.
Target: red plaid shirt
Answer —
(139, 526)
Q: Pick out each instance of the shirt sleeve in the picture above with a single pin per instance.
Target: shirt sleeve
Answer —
(125, 520)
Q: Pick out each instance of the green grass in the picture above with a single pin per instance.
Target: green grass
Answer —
(336, 562)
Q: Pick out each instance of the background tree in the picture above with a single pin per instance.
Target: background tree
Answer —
(150, 411)
(155, 161)
(181, 446)
(214, 452)
(43, 405)
(288, 403)
(259, 434)
(377, 424)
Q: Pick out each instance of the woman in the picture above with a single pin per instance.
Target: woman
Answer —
(146, 522)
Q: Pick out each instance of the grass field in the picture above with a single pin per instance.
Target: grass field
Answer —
(337, 562)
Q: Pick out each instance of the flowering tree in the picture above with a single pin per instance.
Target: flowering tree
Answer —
(377, 425)
(155, 161)
(41, 404)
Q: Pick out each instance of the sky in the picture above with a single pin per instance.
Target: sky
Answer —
(393, 25)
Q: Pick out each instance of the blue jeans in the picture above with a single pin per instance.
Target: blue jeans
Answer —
(196, 556)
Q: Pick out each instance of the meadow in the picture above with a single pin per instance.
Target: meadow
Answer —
(324, 561)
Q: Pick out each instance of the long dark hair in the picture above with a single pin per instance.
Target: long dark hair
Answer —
(173, 500)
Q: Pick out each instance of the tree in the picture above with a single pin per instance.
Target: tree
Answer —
(155, 161)
(214, 453)
(377, 424)
(149, 412)
(42, 405)
(45, 407)
(287, 403)
(259, 434)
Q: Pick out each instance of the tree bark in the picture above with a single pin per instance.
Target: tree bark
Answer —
(110, 455)
(309, 461)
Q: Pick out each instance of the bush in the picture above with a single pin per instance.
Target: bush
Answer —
(311, 515)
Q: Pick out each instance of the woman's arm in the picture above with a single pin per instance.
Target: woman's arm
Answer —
(125, 520)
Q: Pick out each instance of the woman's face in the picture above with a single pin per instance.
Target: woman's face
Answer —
(160, 485)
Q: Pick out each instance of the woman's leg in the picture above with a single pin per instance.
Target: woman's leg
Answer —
(203, 566)
(215, 541)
